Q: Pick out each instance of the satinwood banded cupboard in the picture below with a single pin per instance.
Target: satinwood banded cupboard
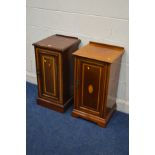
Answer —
(96, 75)
(54, 68)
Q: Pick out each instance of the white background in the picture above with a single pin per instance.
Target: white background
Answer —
(13, 77)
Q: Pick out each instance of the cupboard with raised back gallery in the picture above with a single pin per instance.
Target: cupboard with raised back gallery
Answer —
(54, 68)
(96, 75)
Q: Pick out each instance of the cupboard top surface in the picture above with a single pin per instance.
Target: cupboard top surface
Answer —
(101, 52)
(57, 42)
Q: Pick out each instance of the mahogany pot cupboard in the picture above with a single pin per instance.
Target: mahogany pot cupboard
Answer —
(96, 75)
(54, 68)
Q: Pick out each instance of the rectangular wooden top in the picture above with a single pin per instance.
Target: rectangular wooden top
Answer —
(100, 52)
(57, 42)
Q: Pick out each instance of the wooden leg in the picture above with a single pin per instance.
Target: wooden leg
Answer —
(103, 125)
(74, 115)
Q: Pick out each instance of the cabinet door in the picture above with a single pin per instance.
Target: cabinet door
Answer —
(90, 89)
(47, 70)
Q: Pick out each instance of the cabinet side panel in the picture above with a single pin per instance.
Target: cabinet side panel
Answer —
(68, 77)
(76, 82)
(37, 70)
(113, 83)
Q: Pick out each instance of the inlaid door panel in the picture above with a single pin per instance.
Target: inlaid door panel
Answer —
(91, 78)
(48, 67)
(49, 75)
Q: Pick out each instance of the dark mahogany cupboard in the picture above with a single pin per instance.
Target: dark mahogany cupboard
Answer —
(96, 75)
(54, 68)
